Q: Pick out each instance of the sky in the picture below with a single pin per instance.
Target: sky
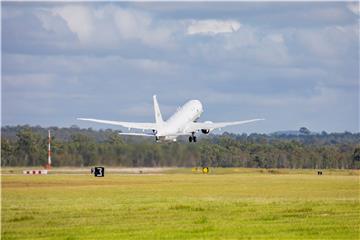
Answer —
(294, 64)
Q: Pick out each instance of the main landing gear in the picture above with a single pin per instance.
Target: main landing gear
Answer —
(192, 138)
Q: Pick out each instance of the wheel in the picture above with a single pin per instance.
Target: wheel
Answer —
(190, 139)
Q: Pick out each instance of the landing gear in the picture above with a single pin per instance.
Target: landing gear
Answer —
(192, 138)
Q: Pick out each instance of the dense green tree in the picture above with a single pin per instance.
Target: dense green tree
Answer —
(356, 158)
(30, 148)
(8, 154)
(25, 145)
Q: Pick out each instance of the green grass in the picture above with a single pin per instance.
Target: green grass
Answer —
(241, 205)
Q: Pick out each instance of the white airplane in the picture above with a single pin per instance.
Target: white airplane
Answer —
(182, 123)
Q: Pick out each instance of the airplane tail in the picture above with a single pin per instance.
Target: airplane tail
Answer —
(158, 117)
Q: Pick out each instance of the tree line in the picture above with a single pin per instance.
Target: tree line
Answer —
(27, 146)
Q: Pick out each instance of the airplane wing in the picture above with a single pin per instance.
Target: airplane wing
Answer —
(194, 126)
(137, 134)
(148, 126)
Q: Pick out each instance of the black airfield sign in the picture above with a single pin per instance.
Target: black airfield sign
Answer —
(98, 171)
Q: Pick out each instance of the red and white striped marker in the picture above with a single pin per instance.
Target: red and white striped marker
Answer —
(35, 172)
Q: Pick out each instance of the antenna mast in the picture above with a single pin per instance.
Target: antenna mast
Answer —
(49, 151)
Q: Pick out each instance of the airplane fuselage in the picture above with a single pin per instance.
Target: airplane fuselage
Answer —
(176, 124)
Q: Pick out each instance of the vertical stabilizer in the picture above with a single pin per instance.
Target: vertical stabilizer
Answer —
(158, 117)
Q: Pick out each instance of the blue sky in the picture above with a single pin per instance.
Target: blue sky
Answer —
(295, 64)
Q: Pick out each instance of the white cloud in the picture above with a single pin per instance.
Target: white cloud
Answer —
(276, 38)
(154, 66)
(109, 26)
(96, 51)
(145, 109)
(133, 24)
(354, 7)
(28, 80)
(323, 97)
(74, 65)
(328, 42)
(212, 26)
(10, 13)
(79, 19)
(254, 45)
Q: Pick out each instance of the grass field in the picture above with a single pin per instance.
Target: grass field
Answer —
(178, 204)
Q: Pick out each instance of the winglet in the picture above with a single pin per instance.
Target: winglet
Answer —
(158, 117)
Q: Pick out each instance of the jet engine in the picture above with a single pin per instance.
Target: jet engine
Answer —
(206, 131)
